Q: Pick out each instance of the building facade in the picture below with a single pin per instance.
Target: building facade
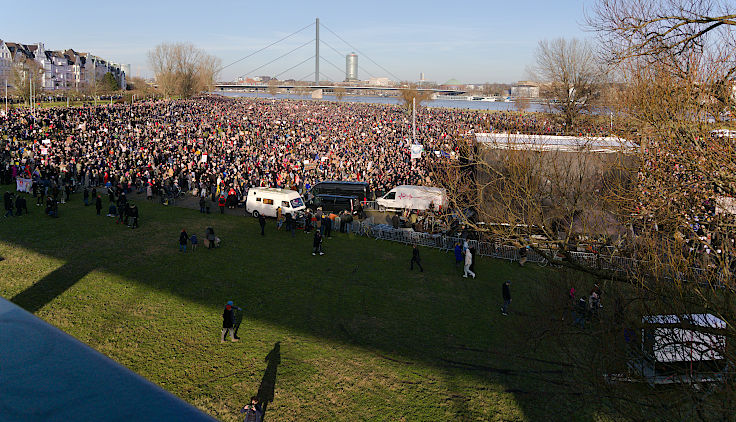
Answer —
(59, 70)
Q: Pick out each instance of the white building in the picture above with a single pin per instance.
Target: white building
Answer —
(525, 89)
(60, 69)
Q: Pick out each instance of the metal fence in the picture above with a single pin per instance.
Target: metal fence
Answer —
(615, 263)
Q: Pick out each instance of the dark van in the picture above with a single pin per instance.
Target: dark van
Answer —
(333, 203)
(359, 190)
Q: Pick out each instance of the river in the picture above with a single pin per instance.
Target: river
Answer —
(459, 104)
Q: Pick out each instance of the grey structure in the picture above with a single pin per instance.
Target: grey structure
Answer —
(351, 67)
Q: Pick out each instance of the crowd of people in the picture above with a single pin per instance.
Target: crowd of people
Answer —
(215, 146)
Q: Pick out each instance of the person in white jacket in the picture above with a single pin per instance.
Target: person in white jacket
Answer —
(468, 261)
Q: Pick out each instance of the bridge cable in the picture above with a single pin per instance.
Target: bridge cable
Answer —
(297, 65)
(342, 55)
(310, 75)
(363, 54)
(279, 57)
(268, 46)
(333, 65)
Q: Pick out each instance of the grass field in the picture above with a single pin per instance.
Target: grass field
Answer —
(353, 335)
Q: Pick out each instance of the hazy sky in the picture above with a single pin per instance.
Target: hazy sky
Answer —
(472, 41)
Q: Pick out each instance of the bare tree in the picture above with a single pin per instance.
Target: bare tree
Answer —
(25, 73)
(339, 92)
(675, 36)
(273, 86)
(412, 95)
(182, 69)
(570, 76)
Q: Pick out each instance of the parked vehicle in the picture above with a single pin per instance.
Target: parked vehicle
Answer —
(359, 190)
(412, 197)
(266, 201)
(334, 203)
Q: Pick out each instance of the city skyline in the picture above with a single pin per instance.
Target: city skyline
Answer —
(468, 41)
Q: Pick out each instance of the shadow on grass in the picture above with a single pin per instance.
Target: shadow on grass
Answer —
(361, 293)
(54, 284)
(267, 388)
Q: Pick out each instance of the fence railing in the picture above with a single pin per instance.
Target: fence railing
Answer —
(615, 263)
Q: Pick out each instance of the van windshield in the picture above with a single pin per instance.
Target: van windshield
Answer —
(390, 195)
(297, 202)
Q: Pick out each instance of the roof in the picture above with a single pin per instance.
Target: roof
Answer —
(675, 344)
(453, 81)
(274, 190)
(49, 375)
(700, 320)
(554, 143)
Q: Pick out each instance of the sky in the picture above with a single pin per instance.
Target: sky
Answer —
(471, 41)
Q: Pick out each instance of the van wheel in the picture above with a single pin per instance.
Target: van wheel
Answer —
(256, 214)
(381, 208)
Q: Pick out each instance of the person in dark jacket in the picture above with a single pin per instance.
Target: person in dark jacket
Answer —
(458, 254)
(183, 239)
(202, 204)
(253, 411)
(210, 237)
(262, 222)
(415, 258)
(133, 214)
(506, 293)
(8, 200)
(98, 204)
(228, 322)
(20, 205)
(317, 243)
(85, 195)
(290, 224)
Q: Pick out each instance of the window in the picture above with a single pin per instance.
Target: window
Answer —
(268, 201)
(390, 195)
(297, 202)
(258, 199)
(285, 204)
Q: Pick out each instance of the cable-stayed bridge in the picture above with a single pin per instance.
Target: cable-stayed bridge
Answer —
(314, 79)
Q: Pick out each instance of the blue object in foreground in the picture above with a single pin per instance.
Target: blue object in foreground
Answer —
(48, 375)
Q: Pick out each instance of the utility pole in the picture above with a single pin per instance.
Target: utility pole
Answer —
(413, 120)
(6, 96)
(316, 54)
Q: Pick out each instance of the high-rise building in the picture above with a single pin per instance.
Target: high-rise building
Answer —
(351, 67)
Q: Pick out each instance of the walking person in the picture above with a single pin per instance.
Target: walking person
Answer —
(210, 238)
(98, 204)
(415, 258)
(506, 294)
(194, 241)
(317, 243)
(458, 254)
(262, 223)
(290, 224)
(202, 204)
(183, 239)
(468, 263)
(228, 322)
(85, 195)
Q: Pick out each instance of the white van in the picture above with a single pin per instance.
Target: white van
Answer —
(267, 200)
(412, 197)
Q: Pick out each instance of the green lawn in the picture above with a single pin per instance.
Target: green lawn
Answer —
(360, 337)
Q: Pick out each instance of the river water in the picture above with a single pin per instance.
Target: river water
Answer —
(459, 104)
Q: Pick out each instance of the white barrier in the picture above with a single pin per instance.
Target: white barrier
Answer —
(613, 263)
